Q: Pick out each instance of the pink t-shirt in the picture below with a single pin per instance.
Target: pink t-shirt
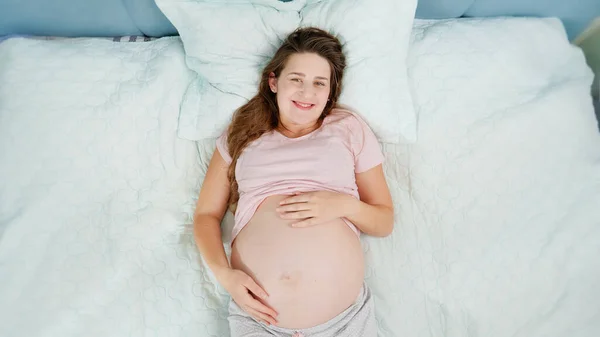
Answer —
(325, 159)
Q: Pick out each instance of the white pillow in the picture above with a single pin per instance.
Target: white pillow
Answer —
(466, 70)
(228, 43)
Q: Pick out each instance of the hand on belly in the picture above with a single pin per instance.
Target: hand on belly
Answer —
(311, 274)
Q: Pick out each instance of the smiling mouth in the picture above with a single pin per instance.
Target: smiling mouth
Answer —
(303, 106)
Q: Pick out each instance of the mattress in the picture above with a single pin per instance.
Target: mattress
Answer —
(497, 225)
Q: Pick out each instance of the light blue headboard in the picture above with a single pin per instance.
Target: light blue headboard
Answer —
(142, 17)
(576, 15)
(83, 18)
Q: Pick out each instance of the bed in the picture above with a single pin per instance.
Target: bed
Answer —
(497, 228)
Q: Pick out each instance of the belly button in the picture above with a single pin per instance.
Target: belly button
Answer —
(290, 277)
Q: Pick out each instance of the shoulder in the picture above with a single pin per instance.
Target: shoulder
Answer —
(223, 148)
(343, 116)
(348, 119)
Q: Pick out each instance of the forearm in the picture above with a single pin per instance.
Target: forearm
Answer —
(207, 234)
(374, 220)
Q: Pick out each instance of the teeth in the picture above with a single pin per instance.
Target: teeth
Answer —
(303, 105)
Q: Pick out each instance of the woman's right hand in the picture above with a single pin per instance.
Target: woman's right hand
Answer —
(245, 291)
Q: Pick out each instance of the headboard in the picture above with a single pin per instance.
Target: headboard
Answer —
(83, 18)
(142, 17)
(576, 15)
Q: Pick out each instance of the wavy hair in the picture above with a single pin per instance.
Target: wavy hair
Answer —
(261, 113)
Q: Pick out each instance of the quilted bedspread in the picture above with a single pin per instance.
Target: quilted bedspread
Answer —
(497, 214)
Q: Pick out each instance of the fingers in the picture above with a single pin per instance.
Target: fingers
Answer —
(296, 199)
(305, 223)
(298, 215)
(256, 305)
(302, 206)
(255, 288)
(265, 318)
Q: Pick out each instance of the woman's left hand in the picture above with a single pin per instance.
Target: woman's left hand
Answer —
(314, 208)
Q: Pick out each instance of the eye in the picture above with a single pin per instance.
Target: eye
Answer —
(322, 84)
(296, 80)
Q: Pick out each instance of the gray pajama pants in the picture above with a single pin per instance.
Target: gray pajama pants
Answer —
(356, 321)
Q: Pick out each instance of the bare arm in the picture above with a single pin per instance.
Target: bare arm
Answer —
(373, 214)
(212, 205)
(210, 209)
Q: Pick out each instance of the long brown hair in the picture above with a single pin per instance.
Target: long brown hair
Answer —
(261, 113)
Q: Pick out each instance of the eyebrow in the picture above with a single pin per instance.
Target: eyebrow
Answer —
(301, 74)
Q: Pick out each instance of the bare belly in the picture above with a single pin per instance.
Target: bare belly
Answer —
(311, 274)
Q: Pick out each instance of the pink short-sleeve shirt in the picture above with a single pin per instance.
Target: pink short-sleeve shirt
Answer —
(325, 159)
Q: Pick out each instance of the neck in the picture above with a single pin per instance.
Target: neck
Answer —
(297, 131)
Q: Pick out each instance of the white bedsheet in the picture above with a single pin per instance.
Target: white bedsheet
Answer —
(497, 218)
(498, 228)
(96, 191)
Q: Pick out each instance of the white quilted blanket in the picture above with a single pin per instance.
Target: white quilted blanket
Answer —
(497, 228)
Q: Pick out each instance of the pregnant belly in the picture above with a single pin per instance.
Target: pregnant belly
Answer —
(311, 274)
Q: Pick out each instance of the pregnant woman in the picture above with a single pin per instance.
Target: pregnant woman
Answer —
(305, 179)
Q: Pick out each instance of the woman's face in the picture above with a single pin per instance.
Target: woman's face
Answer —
(302, 89)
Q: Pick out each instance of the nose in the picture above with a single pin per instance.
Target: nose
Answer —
(308, 90)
